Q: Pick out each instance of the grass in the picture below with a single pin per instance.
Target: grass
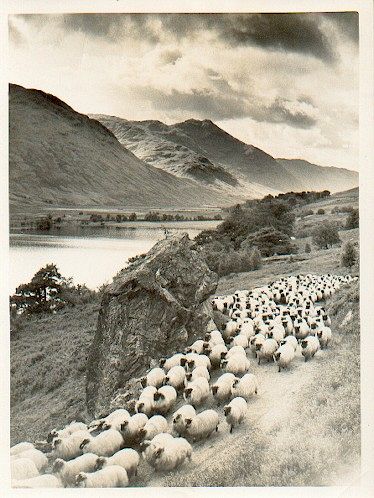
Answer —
(48, 356)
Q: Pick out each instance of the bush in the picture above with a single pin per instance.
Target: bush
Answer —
(325, 235)
(44, 223)
(320, 211)
(306, 212)
(352, 220)
(349, 255)
(308, 249)
(269, 242)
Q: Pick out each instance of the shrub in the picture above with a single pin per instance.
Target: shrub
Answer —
(44, 223)
(133, 217)
(308, 249)
(325, 235)
(352, 220)
(320, 211)
(269, 242)
(349, 255)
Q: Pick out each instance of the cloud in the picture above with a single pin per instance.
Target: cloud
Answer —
(170, 56)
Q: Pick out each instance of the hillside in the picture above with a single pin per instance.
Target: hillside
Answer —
(202, 151)
(314, 177)
(59, 157)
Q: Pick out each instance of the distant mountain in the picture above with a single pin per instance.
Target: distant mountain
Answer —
(202, 151)
(314, 177)
(63, 158)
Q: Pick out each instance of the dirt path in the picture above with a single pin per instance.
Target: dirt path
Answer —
(269, 412)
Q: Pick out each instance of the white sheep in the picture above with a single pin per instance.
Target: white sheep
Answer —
(309, 346)
(301, 329)
(42, 481)
(198, 360)
(202, 425)
(221, 389)
(149, 447)
(179, 417)
(198, 372)
(266, 349)
(168, 363)
(245, 387)
(172, 455)
(154, 377)
(37, 456)
(69, 447)
(67, 471)
(324, 335)
(290, 339)
(104, 444)
(215, 354)
(126, 458)
(196, 347)
(176, 377)
(230, 329)
(20, 447)
(155, 425)
(284, 355)
(112, 476)
(164, 399)
(196, 391)
(235, 412)
(131, 427)
(145, 403)
(238, 340)
(277, 332)
(236, 364)
(66, 431)
(23, 468)
(255, 340)
(234, 351)
(116, 419)
(214, 337)
(247, 329)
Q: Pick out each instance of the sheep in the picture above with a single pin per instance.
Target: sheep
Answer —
(238, 340)
(236, 364)
(301, 329)
(168, 363)
(215, 354)
(256, 339)
(324, 336)
(277, 332)
(42, 481)
(67, 431)
(126, 458)
(154, 377)
(221, 389)
(245, 387)
(105, 444)
(196, 347)
(234, 351)
(198, 360)
(112, 476)
(185, 411)
(145, 403)
(69, 447)
(176, 377)
(230, 329)
(23, 468)
(214, 337)
(290, 339)
(196, 391)
(309, 346)
(116, 419)
(284, 355)
(266, 349)
(202, 425)
(20, 447)
(164, 399)
(149, 447)
(198, 372)
(131, 427)
(172, 455)
(67, 471)
(37, 456)
(235, 412)
(247, 329)
(155, 425)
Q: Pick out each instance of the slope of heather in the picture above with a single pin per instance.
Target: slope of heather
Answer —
(60, 157)
(314, 177)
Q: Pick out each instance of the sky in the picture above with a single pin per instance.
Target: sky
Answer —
(286, 83)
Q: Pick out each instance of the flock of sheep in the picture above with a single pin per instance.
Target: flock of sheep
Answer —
(270, 323)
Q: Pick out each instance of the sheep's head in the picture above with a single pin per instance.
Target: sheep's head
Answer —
(227, 410)
(144, 445)
(124, 425)
(143, 381)
(52, 435)
(162, 362)
(319, 334)
(223, 355)
(57, 465)
(166, 380)
(158, 452)
(100, 462)
(56, 443)
(183, 361)
(224, 363)
(235, 382)
(188, 350)
(158, 396)
(176, 418)
(214, 390)
(142, 433)
(277, 356)
(188, 391)
(189, 376)
(304, 344)
(191, 364)
(258, 346)
(84, 443)
(80, 480)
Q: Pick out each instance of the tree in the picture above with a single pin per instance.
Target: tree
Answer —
(352, 220)
(41, 294)
(325, 235)
(132, 217)
(349, 255)
(269, 242)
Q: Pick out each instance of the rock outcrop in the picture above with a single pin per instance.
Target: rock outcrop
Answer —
(153, 308)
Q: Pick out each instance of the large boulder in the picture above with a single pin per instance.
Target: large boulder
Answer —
(153, 308)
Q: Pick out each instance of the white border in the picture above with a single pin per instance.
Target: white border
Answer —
(366, 170)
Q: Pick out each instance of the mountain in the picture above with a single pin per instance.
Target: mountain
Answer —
(63, 158)
(314, 177)
(202, 151)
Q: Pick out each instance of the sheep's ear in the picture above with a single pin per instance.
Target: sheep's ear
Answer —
(58, 464)
(188, 421)
(83, 443)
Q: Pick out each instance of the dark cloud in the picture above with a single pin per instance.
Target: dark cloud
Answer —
(209, 104)
(303, 33)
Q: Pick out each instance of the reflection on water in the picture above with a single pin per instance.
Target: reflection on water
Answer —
(89, 255)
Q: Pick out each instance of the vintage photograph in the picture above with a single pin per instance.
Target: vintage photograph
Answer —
(184, 284)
